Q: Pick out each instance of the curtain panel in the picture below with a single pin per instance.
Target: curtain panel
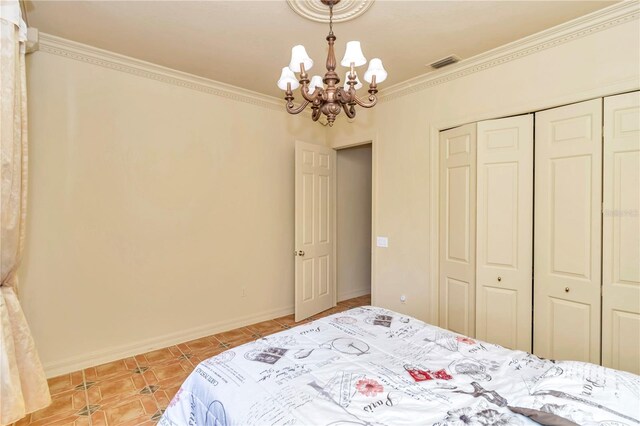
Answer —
(23, 386)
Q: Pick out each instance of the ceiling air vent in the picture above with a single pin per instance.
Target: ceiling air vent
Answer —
(451, 59)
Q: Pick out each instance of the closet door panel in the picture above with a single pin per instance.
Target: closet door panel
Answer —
(567, 236)
(621, 233)
(569, 208)
(504, 231)
(570, 333)
(497, 320)
(457, 229)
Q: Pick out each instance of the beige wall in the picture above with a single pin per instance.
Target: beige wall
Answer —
(405, 133)
(353, 201)
(151, 207)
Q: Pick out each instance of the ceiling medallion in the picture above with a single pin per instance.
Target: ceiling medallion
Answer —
(343, 10)
(326, 95)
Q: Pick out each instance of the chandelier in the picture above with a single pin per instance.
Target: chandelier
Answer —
(325, 94)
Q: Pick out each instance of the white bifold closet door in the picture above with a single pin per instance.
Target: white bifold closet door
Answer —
(567, 232)
(504, 231)
(457, 229)
(621, 233)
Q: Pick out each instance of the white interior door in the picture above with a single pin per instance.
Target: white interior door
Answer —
(621, 233)
(457, 229)
(567, 232)
(504, 232)
(315, 229)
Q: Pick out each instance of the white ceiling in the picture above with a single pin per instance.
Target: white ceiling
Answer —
(246, 43)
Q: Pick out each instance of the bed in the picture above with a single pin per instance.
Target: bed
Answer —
(372, 366)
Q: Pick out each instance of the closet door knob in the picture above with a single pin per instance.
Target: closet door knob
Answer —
(499, 279)
(566, 289)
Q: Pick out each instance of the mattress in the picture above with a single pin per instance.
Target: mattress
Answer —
(372, 366)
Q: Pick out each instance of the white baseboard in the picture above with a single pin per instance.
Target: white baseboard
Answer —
(75, 363)
(354, 293)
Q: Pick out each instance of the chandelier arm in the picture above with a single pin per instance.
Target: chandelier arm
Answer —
(292, 109)
(345, 96)
(349, 110)
(310, 98)
(352, 95)
(373, 100)
(315, 115)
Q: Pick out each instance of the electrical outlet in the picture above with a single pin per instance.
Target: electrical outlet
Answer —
(403, 299)
(244, 292)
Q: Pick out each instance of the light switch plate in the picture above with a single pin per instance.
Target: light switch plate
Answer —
(382, 241)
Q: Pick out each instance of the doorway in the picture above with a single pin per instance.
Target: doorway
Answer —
(353, 221)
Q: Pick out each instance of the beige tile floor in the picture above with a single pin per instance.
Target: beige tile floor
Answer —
(136, 390)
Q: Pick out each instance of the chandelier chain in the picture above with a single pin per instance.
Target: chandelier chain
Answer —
(331, 17)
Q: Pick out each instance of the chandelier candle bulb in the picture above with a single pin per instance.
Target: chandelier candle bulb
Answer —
(375, 68)
(288, 76)
(299, 56)
(353, 55)
(325, 94)
(316, 82)
(358, 84)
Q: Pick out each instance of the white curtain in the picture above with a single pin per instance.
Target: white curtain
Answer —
(23, 386)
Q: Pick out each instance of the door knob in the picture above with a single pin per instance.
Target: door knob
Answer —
(566, 289)
(499, 279)
(299, 253)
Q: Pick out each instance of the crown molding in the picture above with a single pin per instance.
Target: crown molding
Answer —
(600, 20)
(583, 26)
(95, 56)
